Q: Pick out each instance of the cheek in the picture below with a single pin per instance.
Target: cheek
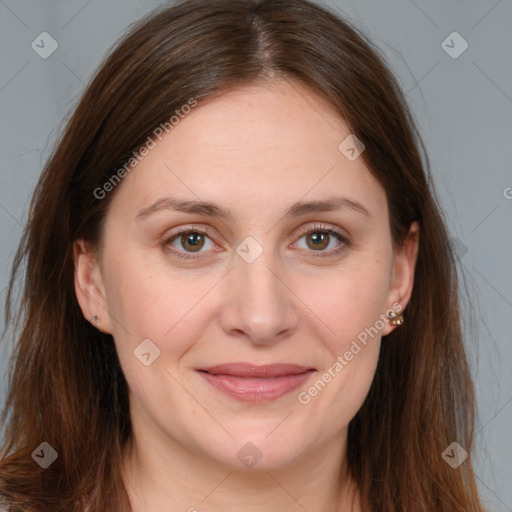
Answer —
(348, 306)
(351, 307)
(347, 303)
(149, 302)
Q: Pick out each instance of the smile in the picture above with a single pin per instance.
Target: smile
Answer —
(250, 383)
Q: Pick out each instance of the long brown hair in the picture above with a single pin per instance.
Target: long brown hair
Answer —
(66, 385)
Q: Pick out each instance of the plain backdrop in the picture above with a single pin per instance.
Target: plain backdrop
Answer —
(463, 104)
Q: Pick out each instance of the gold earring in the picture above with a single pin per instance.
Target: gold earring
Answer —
(396, 318)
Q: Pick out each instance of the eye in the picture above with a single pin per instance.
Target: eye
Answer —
(320, 237)
(191, 240)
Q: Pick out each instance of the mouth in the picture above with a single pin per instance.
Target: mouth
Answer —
(251, 383)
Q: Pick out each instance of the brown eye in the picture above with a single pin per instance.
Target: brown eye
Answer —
(192, 241)
(319, 240)
(322, 241)
(188, 243)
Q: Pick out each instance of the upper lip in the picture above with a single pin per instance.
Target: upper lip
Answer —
(252, 370)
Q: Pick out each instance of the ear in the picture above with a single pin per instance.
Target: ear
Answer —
(89, 287)
(402, 277)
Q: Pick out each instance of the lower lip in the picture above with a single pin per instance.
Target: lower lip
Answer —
(248, 389)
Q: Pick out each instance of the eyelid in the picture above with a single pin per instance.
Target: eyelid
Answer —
(319, 226)
(194, 228)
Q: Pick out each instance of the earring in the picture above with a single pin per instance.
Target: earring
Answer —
(396, 318)
(95, 319)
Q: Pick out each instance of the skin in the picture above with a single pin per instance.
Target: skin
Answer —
(255, 151)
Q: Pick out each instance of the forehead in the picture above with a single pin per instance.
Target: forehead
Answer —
(274, 144)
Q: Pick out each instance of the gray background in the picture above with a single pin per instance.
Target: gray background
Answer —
(464, 110)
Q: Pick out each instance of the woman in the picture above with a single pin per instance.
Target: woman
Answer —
(239, 291)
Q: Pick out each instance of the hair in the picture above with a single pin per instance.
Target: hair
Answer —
(66, 385)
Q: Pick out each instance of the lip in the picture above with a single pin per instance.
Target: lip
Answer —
(251, 383)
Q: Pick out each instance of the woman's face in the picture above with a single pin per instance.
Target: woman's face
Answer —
(277, 279)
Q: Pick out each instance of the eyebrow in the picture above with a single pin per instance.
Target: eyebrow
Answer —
(217, 211)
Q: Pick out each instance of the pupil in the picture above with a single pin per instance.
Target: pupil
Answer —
(193, 238)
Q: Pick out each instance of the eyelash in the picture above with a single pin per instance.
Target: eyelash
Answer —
(204, 231)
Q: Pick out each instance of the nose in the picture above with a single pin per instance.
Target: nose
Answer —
(259, 305)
